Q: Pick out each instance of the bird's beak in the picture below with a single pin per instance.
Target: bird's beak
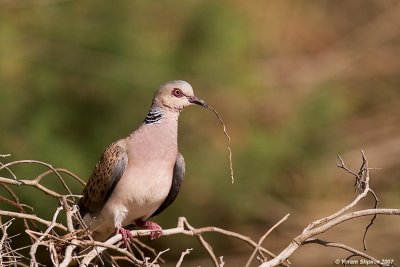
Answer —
(197, 101)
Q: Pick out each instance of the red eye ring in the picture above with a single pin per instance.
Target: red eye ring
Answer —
(177, 92)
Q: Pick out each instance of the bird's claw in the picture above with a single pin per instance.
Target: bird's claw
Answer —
(154, 227)
(126, 235)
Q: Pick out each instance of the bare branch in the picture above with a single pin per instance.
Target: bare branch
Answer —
(342, 246)
(263, 238)
(77, 245)
(322, 225)
(34, 247)
(186, 252)
(31, 217)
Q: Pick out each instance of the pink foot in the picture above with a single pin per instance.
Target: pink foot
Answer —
(126, 234)
(151, 226)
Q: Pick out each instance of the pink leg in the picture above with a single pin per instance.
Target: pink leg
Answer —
(150, 226)
(126, 234)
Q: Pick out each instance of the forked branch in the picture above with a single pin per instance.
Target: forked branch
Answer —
(65, 244)
(322, 225)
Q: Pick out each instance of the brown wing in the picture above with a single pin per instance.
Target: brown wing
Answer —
(106, 174)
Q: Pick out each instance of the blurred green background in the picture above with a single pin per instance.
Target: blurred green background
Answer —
(296, 82)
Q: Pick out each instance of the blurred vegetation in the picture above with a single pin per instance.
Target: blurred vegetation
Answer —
(296, 82)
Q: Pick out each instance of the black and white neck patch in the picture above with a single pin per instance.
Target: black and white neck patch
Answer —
(154, 116)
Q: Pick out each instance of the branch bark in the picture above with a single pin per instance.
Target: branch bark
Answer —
(61, 247)
(322, 225)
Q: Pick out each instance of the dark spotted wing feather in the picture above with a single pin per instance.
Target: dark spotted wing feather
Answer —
(177, 178)
(106, 174)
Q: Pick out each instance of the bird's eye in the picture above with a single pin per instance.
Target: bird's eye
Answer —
(177, 92)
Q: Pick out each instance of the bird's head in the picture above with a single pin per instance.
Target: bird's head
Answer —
(176, 95)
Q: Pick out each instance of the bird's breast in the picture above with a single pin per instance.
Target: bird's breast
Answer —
(147, 179)
(140, 192)
(147, 185)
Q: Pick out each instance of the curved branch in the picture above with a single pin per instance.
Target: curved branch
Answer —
(180, 229)
(31, 217)
(320, 226)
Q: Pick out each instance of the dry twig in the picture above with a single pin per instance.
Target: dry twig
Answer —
(65, 244)
(322, 225)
